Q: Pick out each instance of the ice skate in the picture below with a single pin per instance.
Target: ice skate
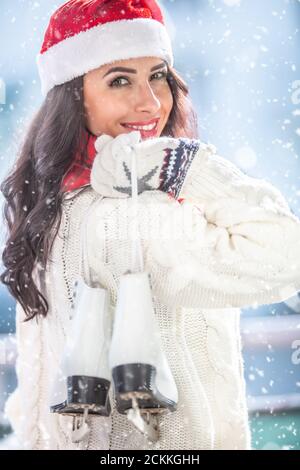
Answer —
(83, 380)
(143, 383)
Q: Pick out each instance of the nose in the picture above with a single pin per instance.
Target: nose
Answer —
(146, 100)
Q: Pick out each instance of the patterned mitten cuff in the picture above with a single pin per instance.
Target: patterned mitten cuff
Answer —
(162, 163)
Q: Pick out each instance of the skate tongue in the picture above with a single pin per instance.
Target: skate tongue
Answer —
(150, 429)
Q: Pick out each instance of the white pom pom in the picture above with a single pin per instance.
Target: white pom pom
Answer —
(102, 141)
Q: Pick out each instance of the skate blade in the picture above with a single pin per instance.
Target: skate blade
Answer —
(144, 420)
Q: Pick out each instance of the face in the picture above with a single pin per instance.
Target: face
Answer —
(137, 96)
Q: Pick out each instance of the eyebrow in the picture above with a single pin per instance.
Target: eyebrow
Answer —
(125, 69)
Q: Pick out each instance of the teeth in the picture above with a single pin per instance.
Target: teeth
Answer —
(143, 128)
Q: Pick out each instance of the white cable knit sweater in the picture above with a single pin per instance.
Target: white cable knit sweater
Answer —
(243, 249)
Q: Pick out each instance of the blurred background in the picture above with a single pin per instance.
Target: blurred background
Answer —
(240, 59)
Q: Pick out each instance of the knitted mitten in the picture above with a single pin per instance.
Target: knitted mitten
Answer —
(162, 163)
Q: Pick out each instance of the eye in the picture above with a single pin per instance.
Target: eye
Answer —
(116, 84)
(163, 74)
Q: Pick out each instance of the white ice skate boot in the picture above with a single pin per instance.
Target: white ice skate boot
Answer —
(83, 380)
(143, 382)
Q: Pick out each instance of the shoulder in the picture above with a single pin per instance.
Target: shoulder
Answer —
(77, 203)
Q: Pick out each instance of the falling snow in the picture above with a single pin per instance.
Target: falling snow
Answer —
(240, 60)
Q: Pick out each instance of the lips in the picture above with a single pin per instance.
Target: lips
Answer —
(148, 123)
(144, 133)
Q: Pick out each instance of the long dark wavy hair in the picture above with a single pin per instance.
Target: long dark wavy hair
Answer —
(32, 189)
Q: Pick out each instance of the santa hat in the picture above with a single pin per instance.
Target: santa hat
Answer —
(82, 35)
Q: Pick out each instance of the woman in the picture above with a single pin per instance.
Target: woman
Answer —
(71, 188)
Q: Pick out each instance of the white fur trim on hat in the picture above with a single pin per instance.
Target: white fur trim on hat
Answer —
(103, 44)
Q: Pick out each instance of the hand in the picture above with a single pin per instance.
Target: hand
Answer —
(111, 170)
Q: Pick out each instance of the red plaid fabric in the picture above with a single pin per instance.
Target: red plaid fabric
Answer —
(79, 172)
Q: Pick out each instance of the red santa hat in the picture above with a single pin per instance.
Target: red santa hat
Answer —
(82, 35)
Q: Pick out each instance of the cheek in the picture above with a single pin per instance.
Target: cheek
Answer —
(171, 101)
(167, 101)
(105, 114)
(99, 108)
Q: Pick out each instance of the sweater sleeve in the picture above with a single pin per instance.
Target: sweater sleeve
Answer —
(21, 407)
(232, 241)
